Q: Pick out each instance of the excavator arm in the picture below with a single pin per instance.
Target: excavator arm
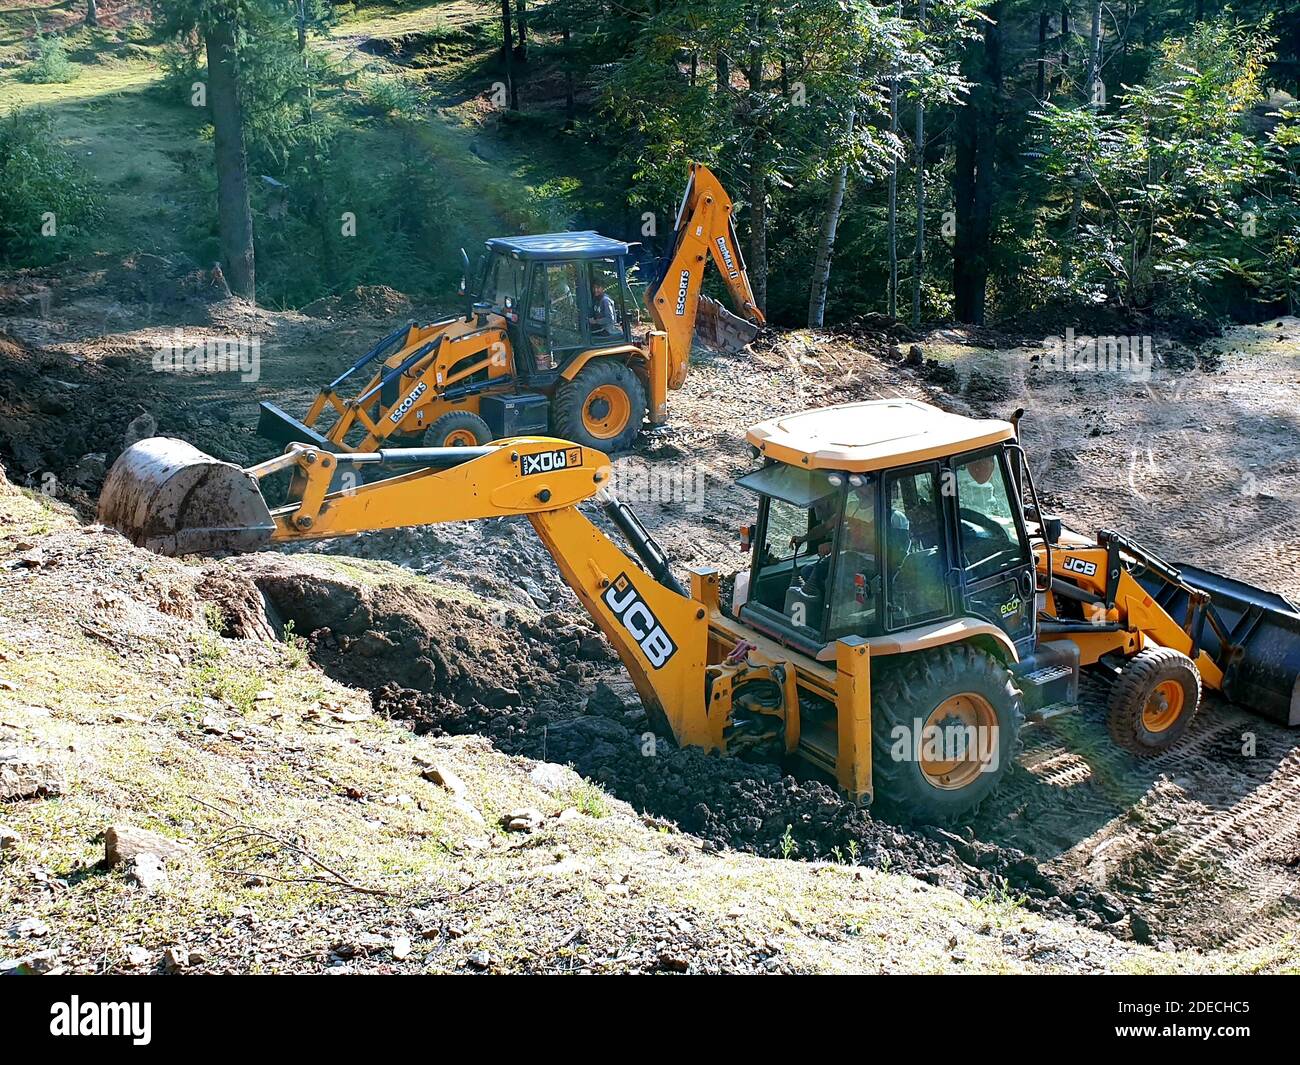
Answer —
(171, 498)
(704, 229)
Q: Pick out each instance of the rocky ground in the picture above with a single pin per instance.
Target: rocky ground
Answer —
(463, 639)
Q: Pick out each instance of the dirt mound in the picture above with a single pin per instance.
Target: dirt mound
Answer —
(372, 301)
(369, 631)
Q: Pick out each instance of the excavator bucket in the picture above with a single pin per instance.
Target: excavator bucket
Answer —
(167, 496)
(720, 329)
(1253, 634)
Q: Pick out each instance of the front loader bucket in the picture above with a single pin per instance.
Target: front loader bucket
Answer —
(1262, 660)
(171, 498)
(720, 329)
(275, 425)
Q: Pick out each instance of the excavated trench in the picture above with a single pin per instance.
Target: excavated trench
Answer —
(549, 687)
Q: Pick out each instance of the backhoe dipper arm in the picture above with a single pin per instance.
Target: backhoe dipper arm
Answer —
(704, 228)
(660, 634)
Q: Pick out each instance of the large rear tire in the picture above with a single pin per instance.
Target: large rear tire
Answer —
(927, 765)
(1154, 701)
(602, 407)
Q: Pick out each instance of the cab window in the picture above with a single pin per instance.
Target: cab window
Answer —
(504, 278)
(989, 537)
(792, 565)
(564, 310)
(607, 314)
(856, 585)
(916, 588)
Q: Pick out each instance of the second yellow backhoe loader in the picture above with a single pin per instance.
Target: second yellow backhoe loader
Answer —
(545, 342)
(906, 609)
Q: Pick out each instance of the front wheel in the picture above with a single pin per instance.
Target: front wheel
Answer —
(1153, 701)
(457, 428)
(602, 407)
(945, 728)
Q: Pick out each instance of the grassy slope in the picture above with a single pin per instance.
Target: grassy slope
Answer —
(108, 666)
(133, 142)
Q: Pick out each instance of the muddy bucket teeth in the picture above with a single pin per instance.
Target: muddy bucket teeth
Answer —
(720, 329)
(171, 498)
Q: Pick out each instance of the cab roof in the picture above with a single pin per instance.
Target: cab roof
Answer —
(876, 434)
(587, 244)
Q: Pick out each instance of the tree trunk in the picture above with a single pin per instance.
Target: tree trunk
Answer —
(826, 242)
(1044, 23)
(1090, 99)
(723, 66)
(918, 253)
(1092, 95)
(1065, 45)
(92, 13)
(234, 215)
(891, 221)
(570, 104)
(757, 169)
(521, 49)
(507, 54)
(973, 182)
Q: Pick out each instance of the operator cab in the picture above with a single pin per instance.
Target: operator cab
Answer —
(882, 516)
(561, 293)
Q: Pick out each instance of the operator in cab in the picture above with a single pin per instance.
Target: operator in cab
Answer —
(604, 317)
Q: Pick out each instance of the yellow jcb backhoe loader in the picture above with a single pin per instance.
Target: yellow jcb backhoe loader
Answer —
(906, 609)
(545, 342)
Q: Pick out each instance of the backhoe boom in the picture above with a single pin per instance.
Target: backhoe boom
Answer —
(704, 229)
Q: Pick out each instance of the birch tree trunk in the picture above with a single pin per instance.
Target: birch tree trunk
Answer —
(826, 242)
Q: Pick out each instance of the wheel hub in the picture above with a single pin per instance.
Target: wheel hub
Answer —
(948, 760)
(607, 412)
(1163, 707)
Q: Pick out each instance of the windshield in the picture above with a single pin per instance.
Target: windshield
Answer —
(502, 277)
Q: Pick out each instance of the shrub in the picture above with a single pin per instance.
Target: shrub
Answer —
(49, 63)
(41, 187)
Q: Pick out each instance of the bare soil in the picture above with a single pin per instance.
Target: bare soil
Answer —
(1197, 847)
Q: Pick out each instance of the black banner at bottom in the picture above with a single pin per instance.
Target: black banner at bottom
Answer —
(223, 1014)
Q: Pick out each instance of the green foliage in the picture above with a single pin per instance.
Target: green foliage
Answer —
(389, 97)
(183, 64)
(1171, 186)
(49, 62)
(41, 185)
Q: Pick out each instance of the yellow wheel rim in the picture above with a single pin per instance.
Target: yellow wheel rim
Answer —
(961, 727)
(606, 412)
(1164, 706)
(460, 438)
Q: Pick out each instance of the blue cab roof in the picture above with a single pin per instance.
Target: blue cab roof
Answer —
(584, 245)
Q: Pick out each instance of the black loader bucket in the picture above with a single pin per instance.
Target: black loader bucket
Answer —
(720, 329)
(274, 424)
(1253, 635)
(171, 498)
